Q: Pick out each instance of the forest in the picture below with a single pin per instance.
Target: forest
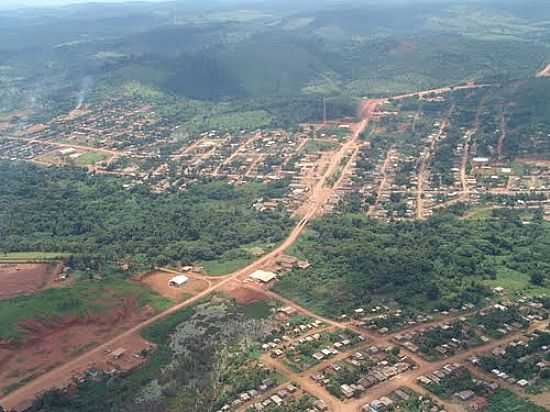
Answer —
(101, 222)
(439, 263)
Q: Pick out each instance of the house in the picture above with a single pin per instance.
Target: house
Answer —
(479, 403)
(118, 353)
(178, 281)
(465, 395)
(263, 276)
(347, 391)
(320, 405)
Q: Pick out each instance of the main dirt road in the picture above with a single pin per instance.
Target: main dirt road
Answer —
(424, 164)
(320, 194)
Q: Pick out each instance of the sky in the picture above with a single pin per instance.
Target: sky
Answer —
(47, 3)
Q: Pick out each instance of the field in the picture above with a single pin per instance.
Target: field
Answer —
(23, 279)
(90, 159)
(29, 256)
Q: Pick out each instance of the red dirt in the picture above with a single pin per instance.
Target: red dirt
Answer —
(51, 343)
(534, 160)
(22, 279)
(158, 281)
(243, 295)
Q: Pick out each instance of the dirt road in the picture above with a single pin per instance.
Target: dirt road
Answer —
(424, 163)
(503, 134)
(442, 90)
(319, 195)
(382, 185)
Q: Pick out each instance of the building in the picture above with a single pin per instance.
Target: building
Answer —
(118, 353)
(478, 404)
(263, 276)
(178, 281)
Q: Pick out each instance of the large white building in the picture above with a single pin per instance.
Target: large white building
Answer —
(178, 281)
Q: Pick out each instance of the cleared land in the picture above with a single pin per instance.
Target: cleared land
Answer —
(159, 282)
(49, 343)
(22, 279)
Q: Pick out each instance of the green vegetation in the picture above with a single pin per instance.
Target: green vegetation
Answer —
(90, 158)
(506, 401)
(79, 299)
(31, 256)
(441, 263)
(100, 223)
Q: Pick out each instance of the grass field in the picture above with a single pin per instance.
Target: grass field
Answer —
(90, 158)
(516, 283)
(220, 267)
(30, 256)
(506, 401)
(83, 297)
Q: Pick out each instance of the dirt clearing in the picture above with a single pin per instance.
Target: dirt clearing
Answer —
(244, 295)
(158, 281)
(23, 279)
(50, 343)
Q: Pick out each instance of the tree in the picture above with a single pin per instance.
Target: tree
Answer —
(537, 279)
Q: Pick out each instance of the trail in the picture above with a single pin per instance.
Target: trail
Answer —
(319, 195)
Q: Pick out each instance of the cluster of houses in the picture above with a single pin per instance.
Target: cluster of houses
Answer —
(464, 338)
(278, 346)
(382, 370)
(250, 395)
(283, 265)
(287, 394)
(537, 356)
(393, 400)
(22, 150)
(473, 400)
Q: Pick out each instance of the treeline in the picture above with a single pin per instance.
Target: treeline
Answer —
(101, 224)
(440, 263)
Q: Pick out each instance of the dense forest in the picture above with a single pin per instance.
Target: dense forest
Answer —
(439, 263)
(100, 222)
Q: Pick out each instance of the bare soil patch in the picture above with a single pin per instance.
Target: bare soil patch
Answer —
(53, 342)
(534, 160)
(23, 279)
(243, 295)
(158, 281)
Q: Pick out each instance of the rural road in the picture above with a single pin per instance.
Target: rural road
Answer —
(319, 195)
